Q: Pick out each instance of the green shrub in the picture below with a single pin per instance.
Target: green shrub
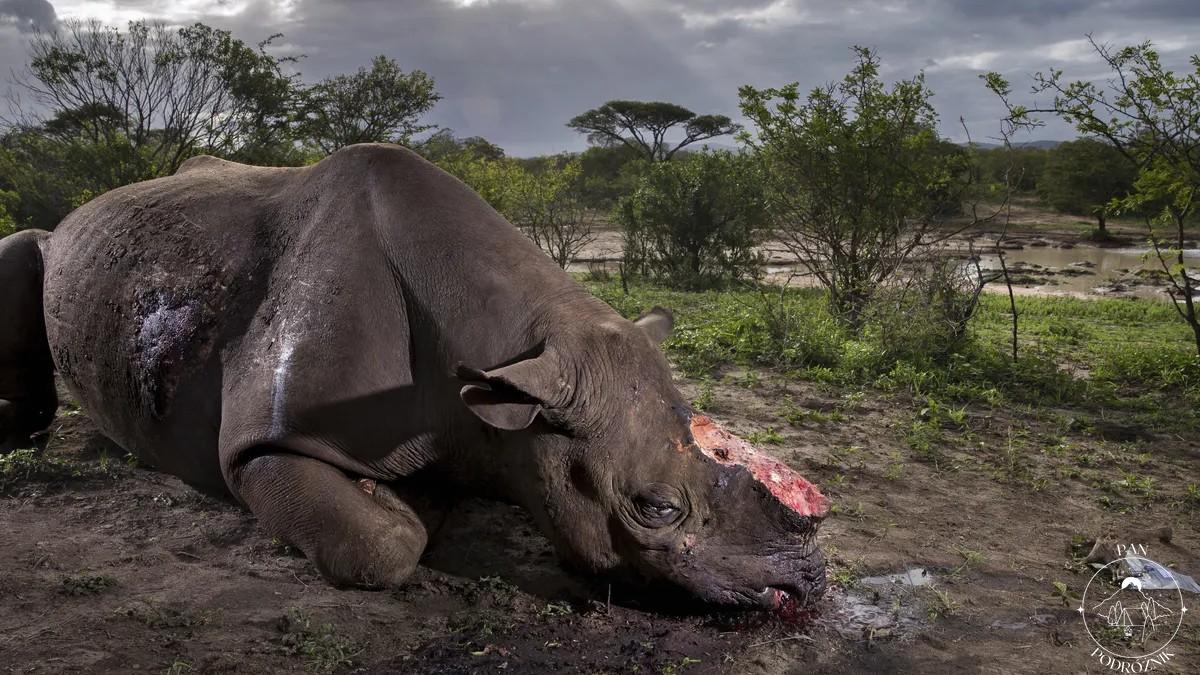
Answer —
(927, 315)
(695, 222)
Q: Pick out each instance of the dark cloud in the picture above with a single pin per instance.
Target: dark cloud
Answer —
(515, 71)
(28, 15)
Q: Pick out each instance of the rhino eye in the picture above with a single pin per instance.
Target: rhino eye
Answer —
(656, 512)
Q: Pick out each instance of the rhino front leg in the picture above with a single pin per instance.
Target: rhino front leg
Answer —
(356, 534)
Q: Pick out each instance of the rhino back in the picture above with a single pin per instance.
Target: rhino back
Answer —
(237, 305)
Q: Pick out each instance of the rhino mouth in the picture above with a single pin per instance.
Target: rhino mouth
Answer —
(802, 593)
(776, 598)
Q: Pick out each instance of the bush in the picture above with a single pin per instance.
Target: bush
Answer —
(926, 315)
(696, 221)
(857, 177)
(7, 224)
(545, 202)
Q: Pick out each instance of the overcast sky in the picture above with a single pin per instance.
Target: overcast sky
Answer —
(514, 71)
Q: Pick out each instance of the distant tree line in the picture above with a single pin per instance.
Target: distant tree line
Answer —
(852, 177)
(1080, 177)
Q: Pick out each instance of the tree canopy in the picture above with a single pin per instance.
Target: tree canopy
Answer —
(1151, 116)
(695, 221)
(857, 174)
(155, 95)
(119, 105)
(379, 104)
(1084, 176)
(644, 125)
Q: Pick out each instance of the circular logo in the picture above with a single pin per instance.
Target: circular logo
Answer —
(1128, 610)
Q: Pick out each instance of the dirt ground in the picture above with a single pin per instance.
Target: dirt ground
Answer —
(110, 568)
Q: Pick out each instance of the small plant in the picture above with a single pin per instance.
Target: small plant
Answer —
(179, 667)
(1192, 495)
(1061, 592)
(319, 644)
(704, 398)
(673, 668)
(751, 379)
(924, 437)
(560, 608)
(895, 469)
(767, 437)
(845, 577)
(943, 604)
(856, 511)
(86, 585)
(797, 416)
(943, 415)
(1140, 485)
(848, 457)
(164, 617)
(970, 558)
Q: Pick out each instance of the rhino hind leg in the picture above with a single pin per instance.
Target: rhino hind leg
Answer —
(356, 533)
(27, 395)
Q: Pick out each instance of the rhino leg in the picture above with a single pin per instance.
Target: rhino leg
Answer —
(356, 534)
(27, 395)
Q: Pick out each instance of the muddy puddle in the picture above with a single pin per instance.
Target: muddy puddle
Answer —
(887, 607)
(1037, 266)
(1079, 271)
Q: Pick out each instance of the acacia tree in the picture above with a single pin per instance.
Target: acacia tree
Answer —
(1085, 176)
(380, 104)
(154, 95)
(1151, 116)
(858, 177)
(644, 125)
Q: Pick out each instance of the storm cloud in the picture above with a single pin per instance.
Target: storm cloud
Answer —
(514, 71)
(28, 15)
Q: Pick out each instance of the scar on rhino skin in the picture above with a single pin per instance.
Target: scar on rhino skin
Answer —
(788, 486)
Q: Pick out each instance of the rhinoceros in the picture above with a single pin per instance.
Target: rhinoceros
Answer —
(330, 345)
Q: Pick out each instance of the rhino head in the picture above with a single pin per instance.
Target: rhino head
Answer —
(624, 476)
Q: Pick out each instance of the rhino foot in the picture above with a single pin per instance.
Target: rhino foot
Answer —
(357, 533)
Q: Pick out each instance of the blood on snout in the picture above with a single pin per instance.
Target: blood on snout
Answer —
(788, 486)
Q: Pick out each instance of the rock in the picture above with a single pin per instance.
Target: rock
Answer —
(1103, 552)
(1071, 271)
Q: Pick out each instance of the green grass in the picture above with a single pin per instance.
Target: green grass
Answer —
(319, 644)
(86, 584)
(28, 464)
(1131, 355)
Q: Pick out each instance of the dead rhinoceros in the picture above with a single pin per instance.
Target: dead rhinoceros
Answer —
(320, 342)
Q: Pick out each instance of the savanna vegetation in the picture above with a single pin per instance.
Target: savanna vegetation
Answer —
(889, 369)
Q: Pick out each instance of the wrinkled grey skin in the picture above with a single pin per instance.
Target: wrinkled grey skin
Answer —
(282, 334)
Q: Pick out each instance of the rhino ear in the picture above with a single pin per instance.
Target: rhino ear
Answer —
(658, 323)
(511, 397)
